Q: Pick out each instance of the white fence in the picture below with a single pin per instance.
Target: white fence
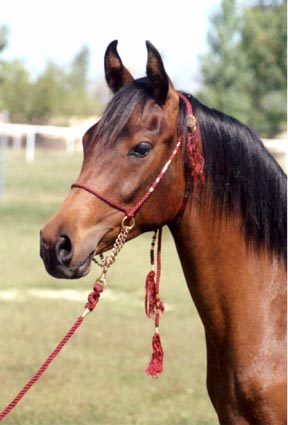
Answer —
(71, 135)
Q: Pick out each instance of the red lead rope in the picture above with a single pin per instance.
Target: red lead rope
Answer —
(42, 369)
(93, 299)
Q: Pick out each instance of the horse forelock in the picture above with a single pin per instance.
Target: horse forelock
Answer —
(119, 110)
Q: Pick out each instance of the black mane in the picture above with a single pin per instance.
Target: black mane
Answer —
(244, 177)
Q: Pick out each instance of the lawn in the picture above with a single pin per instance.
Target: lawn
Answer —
(99, 378)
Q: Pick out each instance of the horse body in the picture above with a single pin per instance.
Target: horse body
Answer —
(228, 229)
(239, 296)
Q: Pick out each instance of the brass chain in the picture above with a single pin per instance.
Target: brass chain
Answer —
(106, 262)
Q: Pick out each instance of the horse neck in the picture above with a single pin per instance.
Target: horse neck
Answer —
(225, 277)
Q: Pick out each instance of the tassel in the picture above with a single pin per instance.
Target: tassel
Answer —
(154, 306)
(156, 363)
(195, 156)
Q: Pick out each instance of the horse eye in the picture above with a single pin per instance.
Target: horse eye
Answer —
(141, 150)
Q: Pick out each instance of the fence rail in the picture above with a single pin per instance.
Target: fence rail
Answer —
(28, 132)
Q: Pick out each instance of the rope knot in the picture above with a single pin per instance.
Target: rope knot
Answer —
(153, 303)
(93, 297)
(150, 294)
(159, 304)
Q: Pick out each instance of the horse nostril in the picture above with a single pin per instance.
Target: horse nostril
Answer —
(64, 249)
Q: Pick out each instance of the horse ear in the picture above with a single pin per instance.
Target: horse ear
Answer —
(156, 74)
(115, 72)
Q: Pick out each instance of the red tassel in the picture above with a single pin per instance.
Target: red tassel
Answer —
(156, 363)
(195, 156)
(154, 306)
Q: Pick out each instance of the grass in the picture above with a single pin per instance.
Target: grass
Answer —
(99, 378)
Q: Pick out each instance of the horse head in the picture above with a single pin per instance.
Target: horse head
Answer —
(123, 154)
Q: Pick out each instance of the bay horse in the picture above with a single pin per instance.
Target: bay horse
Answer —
(223, 198)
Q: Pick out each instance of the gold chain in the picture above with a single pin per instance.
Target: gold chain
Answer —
(106, 262)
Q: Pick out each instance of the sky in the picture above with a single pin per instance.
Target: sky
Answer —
(57, 29)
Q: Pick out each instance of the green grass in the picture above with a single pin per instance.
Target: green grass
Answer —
(99, 378)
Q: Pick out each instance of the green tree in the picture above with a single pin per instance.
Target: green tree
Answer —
(58, 93)
(3, 44)
(15, 84)
(48, 97)
(15, 90)
(80, 101)
(224, 69)
(264, 38)
(3, 37)
(244, 73)
(63, 93)
(79, 68)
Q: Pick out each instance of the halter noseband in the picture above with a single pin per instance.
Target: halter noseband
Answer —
(129, 213)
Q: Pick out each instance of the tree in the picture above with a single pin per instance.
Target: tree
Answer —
(15, 90)
(244, 71)
(58, 93)
(3, 37)
(264, 37)
(224, 69)
(80, 101)
(3, 44)
(63, 93)
(48, 95)
(79, 68)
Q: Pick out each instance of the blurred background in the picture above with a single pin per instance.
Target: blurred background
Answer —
(231, 55)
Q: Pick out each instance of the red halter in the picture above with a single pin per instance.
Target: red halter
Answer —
(191, 122)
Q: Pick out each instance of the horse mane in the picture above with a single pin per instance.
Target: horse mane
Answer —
(244, 178)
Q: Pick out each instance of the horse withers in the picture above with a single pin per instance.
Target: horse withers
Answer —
(223, 198)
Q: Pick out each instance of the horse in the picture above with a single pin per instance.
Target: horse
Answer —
(222, 196)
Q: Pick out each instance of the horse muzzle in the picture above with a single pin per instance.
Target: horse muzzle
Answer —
(58, 256)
